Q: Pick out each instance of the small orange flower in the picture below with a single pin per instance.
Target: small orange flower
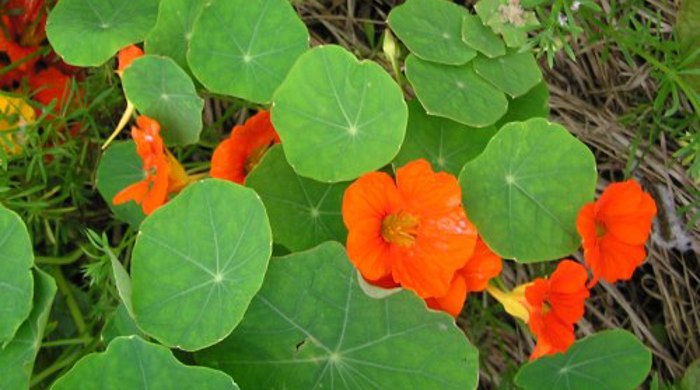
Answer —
(164, 174)
(614, 230)
(126, 56)
(413, 231)
(555, 305)
(236, 156)
(473, 277)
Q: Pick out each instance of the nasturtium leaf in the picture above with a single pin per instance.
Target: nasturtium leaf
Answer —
(525, 190)
(448, 145)
(122, 281)
(16, 281)
(312, 327)
(432, 30)
(611, 360)
(173, 30)
(481, 37)
(303, 212)
(514, 73)
(119, 167)
(256, 42)
(130, 363)
(197, 263)
(120, 323)
(17, 357)
(455, 92)
(338, 117)
(534, 104)
(691, 377)
(90, 32)
(160, 89)
(507, 18)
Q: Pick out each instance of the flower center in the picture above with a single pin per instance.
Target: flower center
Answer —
(400, 229)
(546, 307)
(254, 158)
(599, 230)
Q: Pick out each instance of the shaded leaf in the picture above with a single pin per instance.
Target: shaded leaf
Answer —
(119, 167)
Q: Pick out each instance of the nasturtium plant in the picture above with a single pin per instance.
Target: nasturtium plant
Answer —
(256, 42)
(197, 263)
(118, 168)
(160, 89)
(481, 38)
(514, 73)
(507, 18)
(611, 359)
(455, 92)
(338, 117)
(16, 281)
(90, 32)
(448, 145)
(534, 104)
(525, 190)
(320, 330)
(432, 30)
(17, 356)
(120, 323)
(130, 363)
(303, 212)
(172, 33)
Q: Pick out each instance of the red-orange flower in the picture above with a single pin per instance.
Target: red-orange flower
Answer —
(555, 305)
(235, 157)
(481, 267)
(163, 173)
(614, 230)
(413, 231)
(126, 56)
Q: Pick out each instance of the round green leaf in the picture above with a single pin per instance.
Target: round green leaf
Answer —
(514, 73)
(197, 263)
(90, 32)
(16, 260)
(445, 143)
(337, 117)
(119, 167)
(534, 104)
(611, 360)
(481, 37)
(312, 327)
(455, 92)
(303, 212)
(17, 357)
(120, 323)
(432, 30)
(525, 190)
(256, 42)
(173, 30)
(130, 363)
(163, 91)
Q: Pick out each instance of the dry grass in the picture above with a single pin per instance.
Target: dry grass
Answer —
(661, 304)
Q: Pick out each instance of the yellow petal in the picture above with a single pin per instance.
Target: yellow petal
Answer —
(15, 115)
(514, 301)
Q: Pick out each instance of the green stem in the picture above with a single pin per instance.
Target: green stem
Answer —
(70, 300)
(60, 343)
(62, 363)
(61, 260)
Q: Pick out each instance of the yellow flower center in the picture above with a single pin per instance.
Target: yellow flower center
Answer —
(599, 230)
(546, 307)
(400, 229)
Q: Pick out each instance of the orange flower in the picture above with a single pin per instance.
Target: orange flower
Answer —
(235, 157)
(555, 305)
(164, 174)
(126, 56)
(473, 277)
(614, 230)
(413, 231)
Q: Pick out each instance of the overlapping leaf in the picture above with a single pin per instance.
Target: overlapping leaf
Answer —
(312, 327)
(197, 263)
(119, 167)
(481, 37)
(525, 190)
(130, 363)
(514, 73)
(337, 117)
(303, 212)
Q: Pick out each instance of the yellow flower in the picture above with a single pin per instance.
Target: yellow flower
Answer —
(15, 115)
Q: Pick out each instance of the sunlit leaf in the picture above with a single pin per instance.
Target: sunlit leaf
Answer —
(481, 37)
(514, 73)
(303, 212)
(130, 363)
(312, 327)
(90, 32)
(525, 190)
(120, 167)
(338, 117)
(197, 263)
(255, 42)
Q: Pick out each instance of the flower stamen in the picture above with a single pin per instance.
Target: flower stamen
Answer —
(400, 229)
